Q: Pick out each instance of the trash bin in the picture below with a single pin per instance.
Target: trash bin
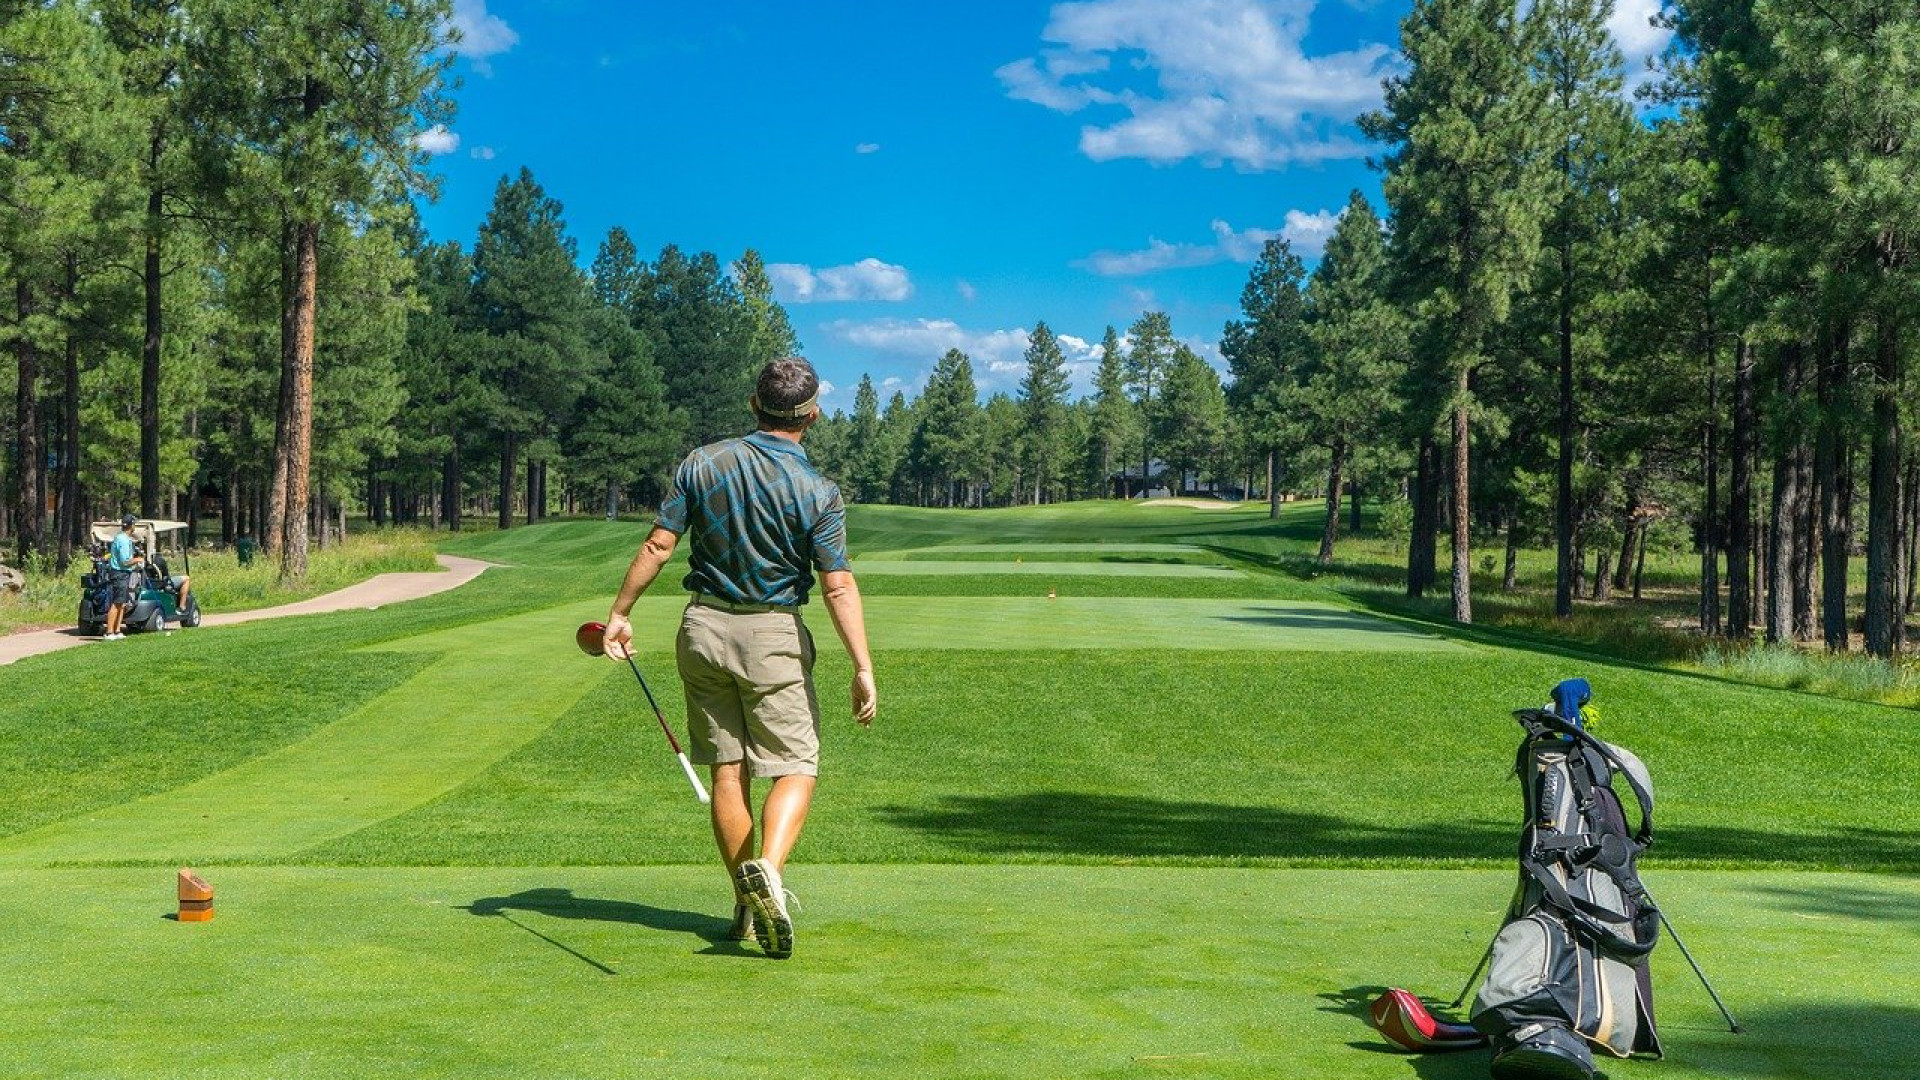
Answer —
(244, 548)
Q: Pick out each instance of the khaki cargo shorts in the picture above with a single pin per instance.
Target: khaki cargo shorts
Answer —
(748, 674)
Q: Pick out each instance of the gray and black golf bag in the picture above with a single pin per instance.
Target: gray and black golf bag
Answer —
(1569, 967)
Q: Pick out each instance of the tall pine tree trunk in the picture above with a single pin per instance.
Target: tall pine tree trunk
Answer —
(1331, 530)
(150, 343)
(1462, 515)
(30, 513)
(1273, 484)
(504, 514)
(72, 522)
(1883, 504)
(1710, 505)
(1782, 520)
(1740, 545)
(1806, 539)
(273, 526)
(1510, 575)
(1563, 501)
(306, 275)
(1421, 552)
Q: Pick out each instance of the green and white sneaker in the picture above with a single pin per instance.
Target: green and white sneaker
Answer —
(742, 927)
(759, 883)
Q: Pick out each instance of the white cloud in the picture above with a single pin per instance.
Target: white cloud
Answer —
(826, 389)
(1639, 39)
(437, 140)
(868, 279)
(482, 34)
(998, 356)
(481, 153)
(966, 290)
(1231, 81)
(1307, 233)
(867, 148)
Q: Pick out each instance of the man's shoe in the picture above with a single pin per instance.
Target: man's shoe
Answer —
(742, 927)
(759, 883)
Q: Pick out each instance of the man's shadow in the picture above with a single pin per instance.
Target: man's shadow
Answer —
(563, 904)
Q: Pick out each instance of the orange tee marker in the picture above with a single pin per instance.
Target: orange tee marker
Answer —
(196, 898)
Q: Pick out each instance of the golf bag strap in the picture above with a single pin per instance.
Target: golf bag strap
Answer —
(1603, 927)
(1541, 720)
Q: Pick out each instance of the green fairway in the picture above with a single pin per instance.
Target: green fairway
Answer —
(1156, 825)
(864, 567)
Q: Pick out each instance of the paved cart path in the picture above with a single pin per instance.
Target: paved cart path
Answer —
(374, 592)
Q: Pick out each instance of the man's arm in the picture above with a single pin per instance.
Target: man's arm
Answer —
(653, 555)
(843, 604)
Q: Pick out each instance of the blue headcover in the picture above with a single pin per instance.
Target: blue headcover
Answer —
(1568, 697)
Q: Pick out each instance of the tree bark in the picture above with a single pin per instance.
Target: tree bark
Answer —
(1510, 576)
(273, 526)
(1710, 505)
(1883, 504)
(508, 452)
(1273, 484)
(306, 275)
(72, 522)
(1462, 512)
(30, 454)
(1330, 531)
(1420, 543)
(1782, 522)
(150, 342)
(1563, 501)
(1740, 499)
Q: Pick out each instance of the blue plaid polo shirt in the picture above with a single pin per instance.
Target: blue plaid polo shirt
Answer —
(758, 518)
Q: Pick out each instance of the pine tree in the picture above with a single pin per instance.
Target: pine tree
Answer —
(1466, 184)
(1114, 426)
(1043, 398)
(1267, 354)
(1192, 418)
(531, 300)
(1149, 354)
(1358, 343)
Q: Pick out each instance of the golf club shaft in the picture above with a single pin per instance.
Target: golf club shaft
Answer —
(1732, 1024)
(1477, 969)
(699, 789)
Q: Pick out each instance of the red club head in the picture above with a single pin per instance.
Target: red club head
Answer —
(592, 638)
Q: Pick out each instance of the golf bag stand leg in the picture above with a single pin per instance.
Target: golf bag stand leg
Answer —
(1732, 1024)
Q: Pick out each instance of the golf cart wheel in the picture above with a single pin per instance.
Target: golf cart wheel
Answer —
(191, 616)
(156, 622)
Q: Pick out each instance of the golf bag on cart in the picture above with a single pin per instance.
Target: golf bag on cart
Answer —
(1569, 967)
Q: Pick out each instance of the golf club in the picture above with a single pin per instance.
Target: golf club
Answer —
(592, 639)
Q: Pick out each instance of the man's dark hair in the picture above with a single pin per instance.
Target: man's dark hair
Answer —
(784, 397)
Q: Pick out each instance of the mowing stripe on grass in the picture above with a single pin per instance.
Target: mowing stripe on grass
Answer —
(1052, 549)
(495, 686)
(1119, 622)
(958, 568)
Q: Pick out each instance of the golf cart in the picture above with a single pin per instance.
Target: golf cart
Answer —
(156, 591)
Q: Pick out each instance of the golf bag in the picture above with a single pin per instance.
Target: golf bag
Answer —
(1569, 967)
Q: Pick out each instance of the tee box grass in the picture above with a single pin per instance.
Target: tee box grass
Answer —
(1161, 824)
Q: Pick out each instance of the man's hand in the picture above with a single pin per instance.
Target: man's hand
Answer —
(866, 699)
(618, 639)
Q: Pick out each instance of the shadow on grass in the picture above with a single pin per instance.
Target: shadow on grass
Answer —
(1443, 1065)
(1095, 826)
(1847, 902)
(562, 904)
(1857, 1040)
(1311, 619)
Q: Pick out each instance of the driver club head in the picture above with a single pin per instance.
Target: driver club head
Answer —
(591, 637)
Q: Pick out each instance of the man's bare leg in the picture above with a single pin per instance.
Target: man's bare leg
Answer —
(783, 816)
(732, 813)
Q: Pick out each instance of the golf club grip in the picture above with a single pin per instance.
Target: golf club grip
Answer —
(699, 789)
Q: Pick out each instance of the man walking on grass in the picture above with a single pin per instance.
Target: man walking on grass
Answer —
(759, 521)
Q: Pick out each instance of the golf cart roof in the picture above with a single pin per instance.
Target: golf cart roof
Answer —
(145, 530)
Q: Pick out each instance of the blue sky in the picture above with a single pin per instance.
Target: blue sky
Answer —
(920, 176)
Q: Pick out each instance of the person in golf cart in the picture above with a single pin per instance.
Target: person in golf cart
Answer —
(123, 559)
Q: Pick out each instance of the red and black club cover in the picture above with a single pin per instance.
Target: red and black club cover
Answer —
(1407, 1023)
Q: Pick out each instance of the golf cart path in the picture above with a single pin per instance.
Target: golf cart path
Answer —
(375, 592)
